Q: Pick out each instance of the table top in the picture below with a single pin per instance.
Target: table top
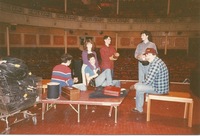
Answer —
(85, 100)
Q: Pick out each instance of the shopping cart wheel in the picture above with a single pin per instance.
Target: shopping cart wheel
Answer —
(34, 120)
(25, 114)
(6, 131)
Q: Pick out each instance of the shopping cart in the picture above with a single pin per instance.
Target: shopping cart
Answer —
(26, 115)
(19, 91)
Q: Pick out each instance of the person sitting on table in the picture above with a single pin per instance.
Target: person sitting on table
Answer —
(88, 47)
(156, 81)
(101, 79)
(62, 74)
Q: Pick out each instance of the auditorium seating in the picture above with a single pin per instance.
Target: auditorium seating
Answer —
(41, 62)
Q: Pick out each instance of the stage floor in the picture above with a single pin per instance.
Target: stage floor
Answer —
(166, 118)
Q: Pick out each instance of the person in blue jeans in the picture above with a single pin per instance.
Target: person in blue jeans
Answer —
(143, 64)
(103, 79)
(156, 81)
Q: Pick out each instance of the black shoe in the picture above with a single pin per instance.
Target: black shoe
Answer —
(135, 110)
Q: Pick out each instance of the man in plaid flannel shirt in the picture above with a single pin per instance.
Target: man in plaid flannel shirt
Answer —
(155, 82)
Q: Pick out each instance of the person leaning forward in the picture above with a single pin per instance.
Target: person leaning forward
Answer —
(156, 81)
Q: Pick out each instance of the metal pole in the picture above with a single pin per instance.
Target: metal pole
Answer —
(116, 39)
(187, 47)
(7, 41)
(117, 7)
(65, 1)
(166, 42)
(65, 41)
(168, 7)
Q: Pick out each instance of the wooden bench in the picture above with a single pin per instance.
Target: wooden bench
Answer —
(183, 97)
(44, 84)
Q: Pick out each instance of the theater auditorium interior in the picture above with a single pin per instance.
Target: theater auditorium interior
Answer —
(36, 33)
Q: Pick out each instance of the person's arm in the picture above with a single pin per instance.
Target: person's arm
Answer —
(96, 60)
(89, 74)
(151, 75)
(69, 80)
(114, 55)
(139, 54)
(88, 77)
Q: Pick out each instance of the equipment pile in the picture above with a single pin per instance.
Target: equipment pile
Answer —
(19, 89)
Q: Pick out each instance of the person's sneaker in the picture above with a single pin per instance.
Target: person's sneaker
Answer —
(123, 89)
(135, 110)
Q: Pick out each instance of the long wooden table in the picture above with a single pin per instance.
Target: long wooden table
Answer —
(83, 100)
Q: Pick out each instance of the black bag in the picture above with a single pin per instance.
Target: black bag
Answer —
(92, 82)
(144, 63)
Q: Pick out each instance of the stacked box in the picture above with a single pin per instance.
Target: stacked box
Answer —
(70, 93)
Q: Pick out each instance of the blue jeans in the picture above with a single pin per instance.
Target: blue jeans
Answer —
(141, 89)
(80, 86)
(105, 79)
(142, 71)
(112, 72)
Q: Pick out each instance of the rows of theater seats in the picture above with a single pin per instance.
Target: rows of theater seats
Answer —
(41, 61)
(178, 62)
(128, 9)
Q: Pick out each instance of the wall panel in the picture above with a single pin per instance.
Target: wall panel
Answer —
(29, 39)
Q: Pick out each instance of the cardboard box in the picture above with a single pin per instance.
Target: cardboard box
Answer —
(70, 93)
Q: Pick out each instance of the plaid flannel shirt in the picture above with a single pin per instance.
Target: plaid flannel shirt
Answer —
(158, 76)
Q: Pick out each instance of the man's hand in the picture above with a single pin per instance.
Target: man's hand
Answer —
(141, 57)
(75, 80)
(115, 56)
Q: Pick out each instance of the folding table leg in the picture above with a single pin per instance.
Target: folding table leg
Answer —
(110, 111)
(115, 114)
(43, 110)
(78, 112)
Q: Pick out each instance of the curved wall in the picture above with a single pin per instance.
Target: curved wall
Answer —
(33, 28)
